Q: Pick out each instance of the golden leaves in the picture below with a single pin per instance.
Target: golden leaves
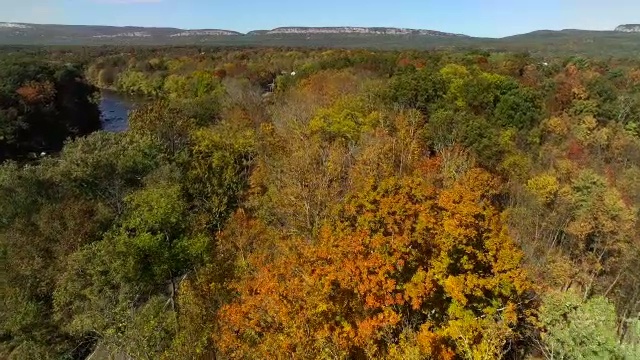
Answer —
(544, 187)
(392, 251)
(556, 125)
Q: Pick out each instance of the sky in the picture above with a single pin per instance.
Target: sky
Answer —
(488, 18)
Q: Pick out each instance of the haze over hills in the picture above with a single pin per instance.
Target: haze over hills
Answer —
(623, 41)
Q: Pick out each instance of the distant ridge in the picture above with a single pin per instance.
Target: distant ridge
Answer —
(623, 41)
(24, 33)
(352, 30)
(207, 32)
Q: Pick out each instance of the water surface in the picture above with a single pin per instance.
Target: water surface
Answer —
(114, 109)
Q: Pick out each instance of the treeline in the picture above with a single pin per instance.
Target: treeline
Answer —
(334, 204)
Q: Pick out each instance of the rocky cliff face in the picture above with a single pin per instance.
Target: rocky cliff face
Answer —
(132, 34)
(214, 32)
(14, 26)
(628, 28)
(355, 30)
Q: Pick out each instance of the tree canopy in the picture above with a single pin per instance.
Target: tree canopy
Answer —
(319, 204)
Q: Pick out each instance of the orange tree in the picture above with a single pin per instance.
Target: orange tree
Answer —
(401, 256)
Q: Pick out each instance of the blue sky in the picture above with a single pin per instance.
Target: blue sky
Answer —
(493, 18)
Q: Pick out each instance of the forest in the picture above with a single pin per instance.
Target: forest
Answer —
(289, 203)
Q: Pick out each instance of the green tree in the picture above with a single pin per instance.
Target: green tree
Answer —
(417, 89)
(518, 108)
(576, 329)
(51, 211)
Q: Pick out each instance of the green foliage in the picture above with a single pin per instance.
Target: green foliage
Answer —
(417, 89)
(94, 298)
(166, 124)
(197, 85)
(53, 210)
(631, 342)
(448, 127)
(149, 332)
(576, 329)
(346, 119)
(217, 171)
(105, 165)
(150, 234)
(518, 108)
(90, 296)
(137, 83)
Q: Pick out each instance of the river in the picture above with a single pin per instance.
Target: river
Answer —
(114, 109)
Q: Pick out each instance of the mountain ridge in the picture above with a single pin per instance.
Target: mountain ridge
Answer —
(621, 41)
(20, 29)
(372, 30)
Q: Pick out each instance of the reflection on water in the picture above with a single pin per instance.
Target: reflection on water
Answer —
(115, 111)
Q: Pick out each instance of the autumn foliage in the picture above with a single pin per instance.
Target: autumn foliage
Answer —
(271, 203)
(403, 255)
